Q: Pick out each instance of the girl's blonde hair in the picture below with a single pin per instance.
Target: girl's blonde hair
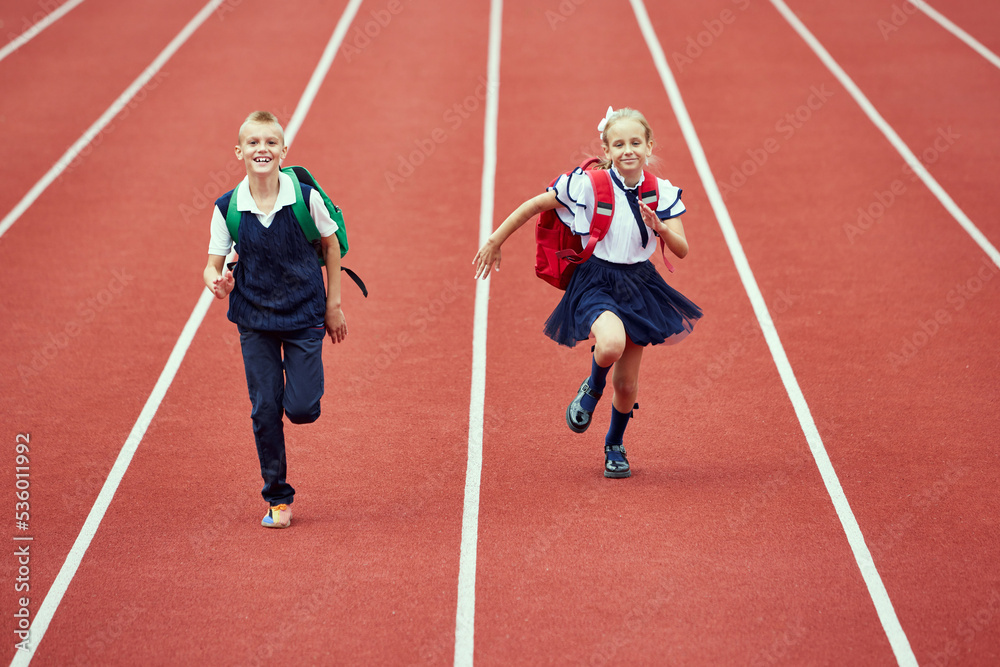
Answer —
(625, 113)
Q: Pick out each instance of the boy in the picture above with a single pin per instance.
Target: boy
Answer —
(276, 299)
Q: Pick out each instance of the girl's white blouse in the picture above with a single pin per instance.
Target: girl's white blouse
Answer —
(623, 242)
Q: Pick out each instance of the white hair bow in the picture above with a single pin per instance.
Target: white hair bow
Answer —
(604, 121)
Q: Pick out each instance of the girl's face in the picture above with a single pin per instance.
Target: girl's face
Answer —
(627, 147)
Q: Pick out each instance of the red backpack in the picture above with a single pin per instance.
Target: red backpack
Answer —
(558, 250)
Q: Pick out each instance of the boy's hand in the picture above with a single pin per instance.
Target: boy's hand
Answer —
(484, 259)
(223, 285)
(336, 324)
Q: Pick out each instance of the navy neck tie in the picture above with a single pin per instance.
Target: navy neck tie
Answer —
(633, 203)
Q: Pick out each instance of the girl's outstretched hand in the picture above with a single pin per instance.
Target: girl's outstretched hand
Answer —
(487, 255)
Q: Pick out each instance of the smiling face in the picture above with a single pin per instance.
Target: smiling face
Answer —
(628, 147)
(262, 147)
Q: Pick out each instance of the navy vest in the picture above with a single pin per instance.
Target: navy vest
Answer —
(279, 283)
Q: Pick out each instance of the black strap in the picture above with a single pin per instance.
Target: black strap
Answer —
(355, 277)
(357, 280)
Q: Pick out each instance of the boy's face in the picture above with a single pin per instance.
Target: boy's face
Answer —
(262, 147)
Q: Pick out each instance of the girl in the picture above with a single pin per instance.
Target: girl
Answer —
(617, 295)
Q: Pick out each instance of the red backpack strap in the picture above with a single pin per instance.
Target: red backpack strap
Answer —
(650, 196)
(604, 209)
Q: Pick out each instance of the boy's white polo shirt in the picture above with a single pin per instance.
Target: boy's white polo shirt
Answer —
(222, 242)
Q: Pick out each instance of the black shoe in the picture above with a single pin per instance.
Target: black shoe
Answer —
(615, 462)
(577, 418)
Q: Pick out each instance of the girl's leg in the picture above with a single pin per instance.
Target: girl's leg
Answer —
(610, 340)
(625, 379)
(626, 384)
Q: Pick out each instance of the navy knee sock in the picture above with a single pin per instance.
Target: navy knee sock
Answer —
(616, 431)
(598, 380)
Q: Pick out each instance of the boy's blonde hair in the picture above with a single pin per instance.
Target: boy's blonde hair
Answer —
(625, 113)
(264, 118)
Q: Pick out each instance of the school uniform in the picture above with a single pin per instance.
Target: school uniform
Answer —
(619, 277)
(278, 304)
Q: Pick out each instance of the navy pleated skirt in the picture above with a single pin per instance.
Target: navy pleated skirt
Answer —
(652, 311)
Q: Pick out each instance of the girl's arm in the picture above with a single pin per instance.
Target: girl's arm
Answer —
(490, 252)
(671, 231)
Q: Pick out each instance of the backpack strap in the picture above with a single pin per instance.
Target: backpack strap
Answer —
(302, 213)
(301, 175)
(604, 210)
(233, 217)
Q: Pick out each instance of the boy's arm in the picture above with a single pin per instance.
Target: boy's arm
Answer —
(336, 323)
(221, 284)
(490, 252)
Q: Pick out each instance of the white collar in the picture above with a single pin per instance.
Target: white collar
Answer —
(621, 179)
(286, 195)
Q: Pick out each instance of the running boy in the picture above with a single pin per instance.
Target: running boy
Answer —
(276, 299)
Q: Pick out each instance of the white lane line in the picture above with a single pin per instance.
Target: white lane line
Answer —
(883, 605)
(918, 168)
(971, 41)
(32, 32)
(147, 74)
(68, 570)
(466, 608)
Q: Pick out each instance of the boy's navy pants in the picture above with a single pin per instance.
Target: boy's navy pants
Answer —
(291, 386)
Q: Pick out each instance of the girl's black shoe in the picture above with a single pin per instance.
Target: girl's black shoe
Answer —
(577, 418)
(615, 462)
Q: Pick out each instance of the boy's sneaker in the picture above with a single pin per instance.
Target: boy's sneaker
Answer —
(278, 516)
(615, 462)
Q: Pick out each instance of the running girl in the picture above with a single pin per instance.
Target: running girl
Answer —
(617, 295)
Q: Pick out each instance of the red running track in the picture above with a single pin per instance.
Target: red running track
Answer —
(723, 548)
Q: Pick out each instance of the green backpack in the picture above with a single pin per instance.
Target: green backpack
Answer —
(300, 208)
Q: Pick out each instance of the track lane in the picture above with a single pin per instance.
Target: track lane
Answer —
(682, 562)
(121, 277)
(902, 363)
(65, 78)
(371, 562)
(937, 93)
